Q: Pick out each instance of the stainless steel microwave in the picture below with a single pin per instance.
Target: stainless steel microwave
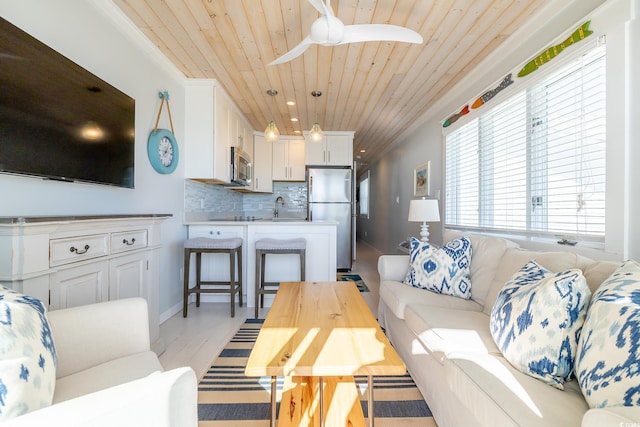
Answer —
(241, 167)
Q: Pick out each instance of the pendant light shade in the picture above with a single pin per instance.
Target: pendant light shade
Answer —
(271, 133)
(316, 132)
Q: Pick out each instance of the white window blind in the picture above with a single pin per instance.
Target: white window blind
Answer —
(535, 163)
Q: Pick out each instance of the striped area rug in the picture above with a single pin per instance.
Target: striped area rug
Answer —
(226, 397)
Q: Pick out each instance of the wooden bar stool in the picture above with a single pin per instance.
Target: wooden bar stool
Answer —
(200, 245)
(275, 246)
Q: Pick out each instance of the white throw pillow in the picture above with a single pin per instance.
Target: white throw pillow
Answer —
(608, 358)
(27, 355)
(536, 321)
(443, 270)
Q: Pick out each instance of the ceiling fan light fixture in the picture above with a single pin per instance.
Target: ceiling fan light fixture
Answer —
(271, 133)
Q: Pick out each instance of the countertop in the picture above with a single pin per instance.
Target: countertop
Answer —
(279, 222)
(67, 218)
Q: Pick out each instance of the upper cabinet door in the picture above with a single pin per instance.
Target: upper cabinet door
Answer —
(335, 149)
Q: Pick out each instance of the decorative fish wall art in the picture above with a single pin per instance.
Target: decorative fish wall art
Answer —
(451, 120)
(488, 95)
(580, 34)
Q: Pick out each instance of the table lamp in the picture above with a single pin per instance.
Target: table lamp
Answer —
(424, 210)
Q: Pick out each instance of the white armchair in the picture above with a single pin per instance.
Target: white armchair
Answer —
(107, 374)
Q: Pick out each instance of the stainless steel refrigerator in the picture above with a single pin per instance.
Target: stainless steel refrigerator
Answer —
(330, 199)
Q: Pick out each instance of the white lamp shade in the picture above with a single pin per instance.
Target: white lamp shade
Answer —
(424, 210)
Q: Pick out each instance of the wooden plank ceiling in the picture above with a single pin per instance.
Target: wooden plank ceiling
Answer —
(376, 89)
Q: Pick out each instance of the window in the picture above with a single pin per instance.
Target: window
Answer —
(363, 200)
(535, 163)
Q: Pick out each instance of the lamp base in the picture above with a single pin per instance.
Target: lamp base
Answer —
(424, 232)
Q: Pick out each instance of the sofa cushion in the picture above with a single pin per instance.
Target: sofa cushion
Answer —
(536, 321)
(396, 295)
(442, 270)
(105, 375)
(27, 355)
(487, 253)
(608, 359)
(498, 394)
(443, 330)
(514, 258)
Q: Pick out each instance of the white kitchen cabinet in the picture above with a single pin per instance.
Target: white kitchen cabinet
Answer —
(241, 132)
(86, 284)
(262, 165)
(128, 276)
(71, 261)
(288, 159)
(335, 149)
(208, 134)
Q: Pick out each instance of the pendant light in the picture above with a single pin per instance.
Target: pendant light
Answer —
(271, 133)
(316, 132)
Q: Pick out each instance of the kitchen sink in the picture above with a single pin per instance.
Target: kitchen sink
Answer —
(288, 219)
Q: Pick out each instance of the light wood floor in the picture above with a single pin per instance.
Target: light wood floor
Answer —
(196, 340)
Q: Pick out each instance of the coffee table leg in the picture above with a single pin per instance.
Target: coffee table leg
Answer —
(370, 411)
(321, 391)
(273, 401)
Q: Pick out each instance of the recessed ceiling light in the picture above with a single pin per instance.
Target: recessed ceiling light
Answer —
(291, 103)
(363, 151)
(294, 119)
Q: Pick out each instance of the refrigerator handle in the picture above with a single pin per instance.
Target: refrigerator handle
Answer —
(310, 213)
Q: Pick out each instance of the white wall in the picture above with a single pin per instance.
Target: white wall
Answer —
(90, 34)
(391, 183)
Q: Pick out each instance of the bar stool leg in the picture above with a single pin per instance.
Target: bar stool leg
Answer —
(302, 265)
(263, 267)
(185, 286)
(258, 284)
(239, 255)
(232, 281)
(198, 276)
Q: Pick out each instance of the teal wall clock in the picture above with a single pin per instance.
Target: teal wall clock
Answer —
(162, 149)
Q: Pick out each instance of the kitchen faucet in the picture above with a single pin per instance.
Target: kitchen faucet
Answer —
(275, 206)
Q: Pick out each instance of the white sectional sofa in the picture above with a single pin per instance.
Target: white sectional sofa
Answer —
(448, 348)
(107, 374)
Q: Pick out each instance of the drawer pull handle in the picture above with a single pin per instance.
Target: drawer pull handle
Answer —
(79, 251)
(129, 243)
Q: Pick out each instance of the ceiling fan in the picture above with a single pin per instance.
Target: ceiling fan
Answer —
(328, 30)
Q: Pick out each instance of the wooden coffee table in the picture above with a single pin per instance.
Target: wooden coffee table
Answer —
(318, 335)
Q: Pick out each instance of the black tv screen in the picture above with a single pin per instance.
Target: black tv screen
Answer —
(59, 121)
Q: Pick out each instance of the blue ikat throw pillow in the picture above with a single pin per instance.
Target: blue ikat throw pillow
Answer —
(536, 321)
(608, 359)
(27, 355)
(443, 270)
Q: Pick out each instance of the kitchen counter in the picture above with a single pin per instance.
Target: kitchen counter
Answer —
(321, 250)
(278, 221)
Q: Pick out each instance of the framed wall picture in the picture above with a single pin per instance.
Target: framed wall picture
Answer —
(421, 180)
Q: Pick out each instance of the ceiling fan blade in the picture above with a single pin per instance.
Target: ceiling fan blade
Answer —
(293, 53)
(379, 32)
(321, 7)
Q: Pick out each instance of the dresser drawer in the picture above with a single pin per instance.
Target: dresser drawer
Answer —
(73, 249)
(128, 240)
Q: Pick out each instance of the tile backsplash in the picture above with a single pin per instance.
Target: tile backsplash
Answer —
(221, 202)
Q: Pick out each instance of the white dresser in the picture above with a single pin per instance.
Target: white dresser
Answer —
(70, 261)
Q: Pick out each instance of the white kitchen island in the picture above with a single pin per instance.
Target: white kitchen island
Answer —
(320, 253)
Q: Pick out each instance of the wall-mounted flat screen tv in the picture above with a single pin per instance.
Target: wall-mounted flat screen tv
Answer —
(59, 121)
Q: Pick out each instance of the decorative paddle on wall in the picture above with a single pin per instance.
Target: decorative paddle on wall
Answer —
(328, 30)
(162, 147)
